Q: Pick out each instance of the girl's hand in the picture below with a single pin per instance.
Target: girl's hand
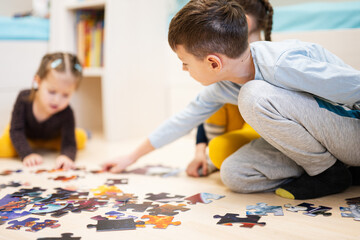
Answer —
(198, 162)
(119, 164)
(32, 159)
(64, 162)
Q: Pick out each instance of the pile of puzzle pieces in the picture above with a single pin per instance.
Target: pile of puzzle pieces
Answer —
(158, 210)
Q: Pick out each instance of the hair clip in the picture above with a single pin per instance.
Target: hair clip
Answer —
(56, 63)
(78, 67)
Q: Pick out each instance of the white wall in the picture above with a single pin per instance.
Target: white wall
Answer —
(10, 7)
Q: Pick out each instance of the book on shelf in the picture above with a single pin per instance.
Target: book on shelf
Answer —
(90, 37)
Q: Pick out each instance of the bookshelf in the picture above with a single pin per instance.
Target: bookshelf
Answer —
(127, 96)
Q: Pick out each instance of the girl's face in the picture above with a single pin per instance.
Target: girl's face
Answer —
(55, 91)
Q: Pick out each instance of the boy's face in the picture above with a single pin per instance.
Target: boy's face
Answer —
(204, 71)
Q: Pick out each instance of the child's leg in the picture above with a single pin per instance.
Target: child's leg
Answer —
(7, 149)
(223, 146)
(81, 138)
(257, 167)
(313, 137)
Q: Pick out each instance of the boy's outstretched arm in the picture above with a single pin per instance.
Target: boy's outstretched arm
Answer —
(119, 164)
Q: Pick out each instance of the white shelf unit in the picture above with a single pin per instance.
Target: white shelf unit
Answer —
(128, 95)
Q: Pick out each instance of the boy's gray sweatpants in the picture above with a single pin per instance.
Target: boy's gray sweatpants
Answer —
(296, 135)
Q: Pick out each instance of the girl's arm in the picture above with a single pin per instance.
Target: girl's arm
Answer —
(68, 142)
(17, 127)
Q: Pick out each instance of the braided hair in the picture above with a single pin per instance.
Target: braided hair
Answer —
(263, 12)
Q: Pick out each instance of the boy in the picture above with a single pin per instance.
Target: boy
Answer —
(302, 100)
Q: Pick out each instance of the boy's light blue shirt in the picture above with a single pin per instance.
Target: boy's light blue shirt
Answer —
(291, 64)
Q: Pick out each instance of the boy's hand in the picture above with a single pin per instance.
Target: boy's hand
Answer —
(198, 162)
(32, 159)
(119, 164)
(64, 162)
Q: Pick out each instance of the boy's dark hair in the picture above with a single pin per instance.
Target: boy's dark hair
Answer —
(210, 26)
(263, 12)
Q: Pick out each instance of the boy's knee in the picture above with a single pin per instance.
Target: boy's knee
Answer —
(233, 177)
(250, 95)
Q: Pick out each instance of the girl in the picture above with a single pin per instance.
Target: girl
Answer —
(226, 129)
(42, 117)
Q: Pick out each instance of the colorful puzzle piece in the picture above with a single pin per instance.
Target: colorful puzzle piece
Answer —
(164, 197)
(160, 222)
(309, 209)
(354, 209)
(263, 209)
(47, 208)
(355, 200)
(41, 225)
(64, 236)
(65, 178)
(16, 225)
(229, 218)
(203, 198)
(8, 172)
(89, 205)
(31, 192)
(104, 190)
(168, 209)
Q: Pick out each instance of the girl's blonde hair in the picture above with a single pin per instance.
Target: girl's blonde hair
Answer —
(59, 62)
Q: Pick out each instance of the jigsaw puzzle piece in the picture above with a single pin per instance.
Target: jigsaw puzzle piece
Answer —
(16, 225)
(47, 208)
(31, 192)
(89, 205)
(203, 198)
(136, 206)
(355, 200)
(263, 209)
(64, 236)
(9, 215)
(114, 225)
(354, 209)
(160, 222)
(164, 197)
(309, 209)
(41, 225)
(168, 210)
(248, 222)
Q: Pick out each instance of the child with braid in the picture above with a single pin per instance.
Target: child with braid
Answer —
(300, 98)
(42, 117)
(226, 131)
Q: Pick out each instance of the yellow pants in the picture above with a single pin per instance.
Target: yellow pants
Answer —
(7, 149)
(238, 133)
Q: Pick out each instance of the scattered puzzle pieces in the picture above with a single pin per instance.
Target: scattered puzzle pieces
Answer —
(160, 222)
(203, 198)
(263, 209)
(229, 218)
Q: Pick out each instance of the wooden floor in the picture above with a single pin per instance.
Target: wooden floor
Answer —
(197, 223)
